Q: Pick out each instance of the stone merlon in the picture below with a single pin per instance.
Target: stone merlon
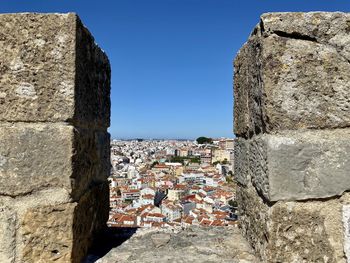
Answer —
(52, 71)
(54, 144)
(292, 121)
(293, 74)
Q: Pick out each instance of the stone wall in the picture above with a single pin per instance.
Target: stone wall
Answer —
(54, 145)
(292, 121)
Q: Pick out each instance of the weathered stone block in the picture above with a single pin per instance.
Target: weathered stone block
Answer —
(92, 80)
(34, 156)
(293, 231)
(51, 70)
(292, 117)
(293, 75)
(63, 233)
(47, 233)
(331, 28)
(298, 165)
(90, 218)
(37, 156)
(7, 235)
(90, 161)
(253, 218)
(54, 145)
(247, 89)
(241, 168)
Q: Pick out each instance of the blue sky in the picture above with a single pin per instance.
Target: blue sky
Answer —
(171, 59)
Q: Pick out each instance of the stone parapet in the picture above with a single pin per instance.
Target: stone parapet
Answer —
(193, 244)
(54, 144)
(291, 76)
(292, 148)
(52, 71)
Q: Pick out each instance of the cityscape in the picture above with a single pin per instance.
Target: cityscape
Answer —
(175, 131)
(166, 183)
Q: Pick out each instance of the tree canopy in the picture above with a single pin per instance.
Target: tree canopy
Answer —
(203, 140)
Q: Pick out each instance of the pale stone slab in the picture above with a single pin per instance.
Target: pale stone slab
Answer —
(293, 75)
(52, 70)
(38, 156)
(298, 165)
(35, 156)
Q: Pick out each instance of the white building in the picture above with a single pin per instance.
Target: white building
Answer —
(171, 211)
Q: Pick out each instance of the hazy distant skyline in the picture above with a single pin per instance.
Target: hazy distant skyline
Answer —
(171, 59)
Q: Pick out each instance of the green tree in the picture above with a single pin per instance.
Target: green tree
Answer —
(196, 159)
(203, 140)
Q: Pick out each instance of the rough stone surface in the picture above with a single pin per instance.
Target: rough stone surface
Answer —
(195, 244)
(52, 70)
(54, 144)
(47, 233)
(293, 125)
(241, 167)
(7, 235)
(330, 28)
(63, 233)
(160, 239)
(90, 161)
(274, 90)
(296, 165)
(90, 218)
(293, 231)
(346, 227)
(93, 80)
(36, 156)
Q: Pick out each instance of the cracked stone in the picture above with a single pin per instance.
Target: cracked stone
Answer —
(273, 88)
(160, 239)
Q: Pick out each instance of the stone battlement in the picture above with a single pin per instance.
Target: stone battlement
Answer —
(292, 164)
(292, 122)
(54, 146)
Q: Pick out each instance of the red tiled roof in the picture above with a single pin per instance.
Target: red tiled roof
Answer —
(205, 222)
(148, 196)
(217, 223)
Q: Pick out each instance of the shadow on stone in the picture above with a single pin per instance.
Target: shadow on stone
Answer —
(110, 238)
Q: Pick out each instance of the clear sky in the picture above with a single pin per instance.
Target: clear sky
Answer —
(171, 59)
